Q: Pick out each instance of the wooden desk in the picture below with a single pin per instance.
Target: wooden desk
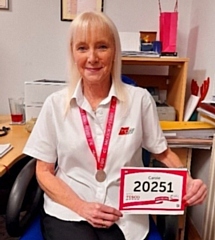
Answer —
(17, 136)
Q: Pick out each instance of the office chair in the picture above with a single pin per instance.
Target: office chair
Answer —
(7, 180)
(26, 198)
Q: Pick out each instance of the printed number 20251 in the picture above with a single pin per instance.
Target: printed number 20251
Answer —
(152, 186)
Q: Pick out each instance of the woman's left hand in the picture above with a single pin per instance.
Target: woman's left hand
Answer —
(196, 191)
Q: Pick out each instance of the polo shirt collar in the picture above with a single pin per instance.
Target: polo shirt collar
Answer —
(81, 100)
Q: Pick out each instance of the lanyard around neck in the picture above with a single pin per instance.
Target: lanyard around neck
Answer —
(102, 161)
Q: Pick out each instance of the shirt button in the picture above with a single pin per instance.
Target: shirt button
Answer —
(100, 112)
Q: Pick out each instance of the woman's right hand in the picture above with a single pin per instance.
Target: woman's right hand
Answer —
(99, 215)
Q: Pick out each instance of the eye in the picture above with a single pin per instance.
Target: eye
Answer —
(103, 46)
(81, 48)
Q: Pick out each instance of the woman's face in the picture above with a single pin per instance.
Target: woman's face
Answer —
(93, 53)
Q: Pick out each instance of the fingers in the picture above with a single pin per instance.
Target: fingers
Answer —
(196, 192)
(198, 201)
(106, 216)
(100, 216)
(101, 223)
(110, 211)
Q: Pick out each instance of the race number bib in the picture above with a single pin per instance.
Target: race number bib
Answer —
(152, 190)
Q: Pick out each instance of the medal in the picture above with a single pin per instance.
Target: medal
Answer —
(100, 175)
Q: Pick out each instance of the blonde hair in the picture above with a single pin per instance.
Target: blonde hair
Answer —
(85, 22)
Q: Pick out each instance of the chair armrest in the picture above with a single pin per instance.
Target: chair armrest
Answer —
(167, 224)
(25, 184)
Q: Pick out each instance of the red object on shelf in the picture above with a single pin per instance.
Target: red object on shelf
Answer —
(203, 89)
(194, 88)
(210, 107)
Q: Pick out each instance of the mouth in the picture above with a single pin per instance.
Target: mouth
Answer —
(94, 69)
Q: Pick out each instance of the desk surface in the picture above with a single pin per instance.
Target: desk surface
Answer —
(17, 137)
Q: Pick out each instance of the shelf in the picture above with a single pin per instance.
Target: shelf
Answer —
(174, 82)
(161, 61)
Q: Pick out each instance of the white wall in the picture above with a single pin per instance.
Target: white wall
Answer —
(201, 51)
(32, 46)
(201, 42)
(33, 39)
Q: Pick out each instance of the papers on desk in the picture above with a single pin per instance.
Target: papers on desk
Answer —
(194, 134)
(4, 148)
(190, 143)
(190, 133)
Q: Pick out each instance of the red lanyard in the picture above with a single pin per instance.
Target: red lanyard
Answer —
(100, 162)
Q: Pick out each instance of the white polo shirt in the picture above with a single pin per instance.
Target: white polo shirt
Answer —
(59, 136)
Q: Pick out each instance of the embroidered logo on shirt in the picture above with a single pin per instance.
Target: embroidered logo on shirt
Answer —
(126, 130)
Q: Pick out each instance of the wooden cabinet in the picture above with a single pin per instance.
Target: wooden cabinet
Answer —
(174, 82)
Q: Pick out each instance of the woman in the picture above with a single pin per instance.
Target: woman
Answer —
(93, 129)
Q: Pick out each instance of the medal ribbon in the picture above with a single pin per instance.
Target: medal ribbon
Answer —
(100, 162)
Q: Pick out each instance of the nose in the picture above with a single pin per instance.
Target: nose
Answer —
(92, 57)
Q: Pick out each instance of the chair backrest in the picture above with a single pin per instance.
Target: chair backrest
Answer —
(25, 194)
